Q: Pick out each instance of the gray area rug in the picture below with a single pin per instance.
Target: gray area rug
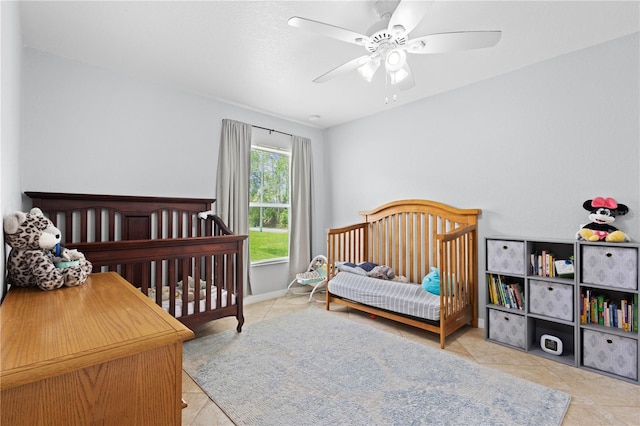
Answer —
(315, 367)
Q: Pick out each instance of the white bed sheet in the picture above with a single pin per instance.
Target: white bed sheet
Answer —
(191, 305)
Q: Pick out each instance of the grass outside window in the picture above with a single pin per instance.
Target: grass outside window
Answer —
(268, 245)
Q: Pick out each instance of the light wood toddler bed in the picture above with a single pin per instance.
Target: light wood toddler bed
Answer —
(174, 250)
(410, 237)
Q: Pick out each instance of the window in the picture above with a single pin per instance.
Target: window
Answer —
(269, 204)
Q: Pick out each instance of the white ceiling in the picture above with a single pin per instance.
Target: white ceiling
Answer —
(243, 52)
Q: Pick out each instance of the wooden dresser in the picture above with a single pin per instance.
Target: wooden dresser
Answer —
(101, 353)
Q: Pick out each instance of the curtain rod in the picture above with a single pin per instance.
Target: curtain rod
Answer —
(271, 130)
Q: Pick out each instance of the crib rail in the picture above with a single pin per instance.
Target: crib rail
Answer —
(458, 289)
(97, 218)
(168, 265)
(348, 244)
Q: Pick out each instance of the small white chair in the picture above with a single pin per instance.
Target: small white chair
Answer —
(316, 275)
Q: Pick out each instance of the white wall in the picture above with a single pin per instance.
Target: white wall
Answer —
(527, 148)
(89, 130)
(10, 66)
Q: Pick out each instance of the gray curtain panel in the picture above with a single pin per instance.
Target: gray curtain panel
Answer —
(300, 213)
(232, 183)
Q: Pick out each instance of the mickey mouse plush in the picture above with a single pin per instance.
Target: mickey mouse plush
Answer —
(603, 213)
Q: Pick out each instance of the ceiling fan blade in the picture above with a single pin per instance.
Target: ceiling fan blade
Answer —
(343, 69)
(327, 30)
(408, 82)
(452, 42)
(407, 15)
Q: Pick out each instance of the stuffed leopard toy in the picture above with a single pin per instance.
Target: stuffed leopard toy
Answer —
(33, 240)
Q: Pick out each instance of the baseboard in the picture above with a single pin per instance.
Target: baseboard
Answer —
(255, 298)
(480, 323)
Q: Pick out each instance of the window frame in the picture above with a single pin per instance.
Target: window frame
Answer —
(287, 153)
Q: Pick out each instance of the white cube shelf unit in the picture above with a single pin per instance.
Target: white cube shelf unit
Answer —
(528, 298)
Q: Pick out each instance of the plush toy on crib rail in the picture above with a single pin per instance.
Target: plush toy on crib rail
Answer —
(603, 213)
(36, 258)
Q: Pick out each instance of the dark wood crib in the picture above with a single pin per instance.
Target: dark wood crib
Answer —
(175, 250)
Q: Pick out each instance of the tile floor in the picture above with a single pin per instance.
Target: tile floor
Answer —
(596, 399)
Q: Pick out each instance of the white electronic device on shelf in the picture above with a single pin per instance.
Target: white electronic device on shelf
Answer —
(551, 344)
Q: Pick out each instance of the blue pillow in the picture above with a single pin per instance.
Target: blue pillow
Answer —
(431, 281)
(367, 266)
(362, 269)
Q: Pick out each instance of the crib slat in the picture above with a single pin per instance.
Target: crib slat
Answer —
(180, 230)
(97, 225)
(160, 224)
(220, 283)
(112, 225)
(208, 273)
(196, 279)
(184, 267)
(170, 224)
(158, 286)
(83, 226)
(229, 281)
(190, 230)
(69, 227)
(144, 284)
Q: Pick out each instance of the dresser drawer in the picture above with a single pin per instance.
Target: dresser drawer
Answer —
(611, 353)
(505, 256)
(507, 328)
(551, 299)
(610, 266)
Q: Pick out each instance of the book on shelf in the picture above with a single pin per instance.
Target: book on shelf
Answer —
(540, 264)
(518, 296)
(545, 264)
(620, 313)
(634, 311)
(504, 293)
(600, 302)
(495, 299)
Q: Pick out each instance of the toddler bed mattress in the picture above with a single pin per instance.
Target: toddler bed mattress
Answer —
(402, 298)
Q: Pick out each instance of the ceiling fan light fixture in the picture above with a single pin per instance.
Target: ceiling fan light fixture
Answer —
(395, 60)
(368, 70)
(396, 77)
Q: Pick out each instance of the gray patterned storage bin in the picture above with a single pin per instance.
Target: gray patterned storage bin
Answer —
(610, 353)
(551, 299)
(506, 328)
(611, 266)
(506, 257)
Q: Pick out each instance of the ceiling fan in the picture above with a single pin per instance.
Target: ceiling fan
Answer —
(388, 41)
